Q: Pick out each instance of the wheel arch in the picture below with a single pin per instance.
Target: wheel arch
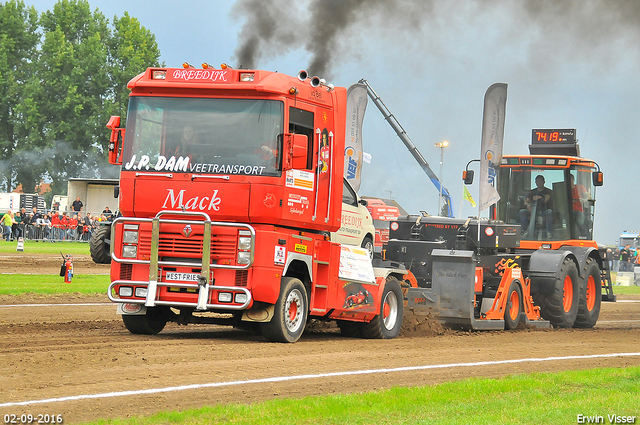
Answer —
(299, 266)
(582, 255)
(385, 272)
(545, 265)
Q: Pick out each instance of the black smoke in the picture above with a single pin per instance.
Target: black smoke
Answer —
(578, 29)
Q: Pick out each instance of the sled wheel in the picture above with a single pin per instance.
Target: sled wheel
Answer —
(560, 305)
(387, 324)
(99, 247)
(590, 296)
(513, 309)
(290, 313)
(150, 323)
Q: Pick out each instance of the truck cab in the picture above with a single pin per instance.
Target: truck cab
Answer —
(356, 224)
(550, 193)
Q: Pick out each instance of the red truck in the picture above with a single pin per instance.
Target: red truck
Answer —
(231, 183)
(382, 212)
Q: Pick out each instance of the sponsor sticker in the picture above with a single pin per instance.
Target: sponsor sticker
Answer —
(279, 255)
(299, 179)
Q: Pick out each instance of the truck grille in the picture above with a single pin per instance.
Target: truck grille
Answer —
(126, 271)
(241, 277)
(223, 247)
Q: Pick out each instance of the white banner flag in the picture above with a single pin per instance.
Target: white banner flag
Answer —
(495, 104)
(356, 106)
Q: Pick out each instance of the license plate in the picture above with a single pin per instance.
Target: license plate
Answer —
(182, 277)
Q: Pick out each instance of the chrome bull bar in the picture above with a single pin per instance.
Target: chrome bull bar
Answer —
(204, 285)
(203, 295)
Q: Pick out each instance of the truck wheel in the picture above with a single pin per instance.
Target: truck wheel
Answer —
(514, 306)
(349, 329)
(98, 245)
(367, 243)
(560, 307)
(148, 324)
(290, 313)
(387, 324)
(590, 296)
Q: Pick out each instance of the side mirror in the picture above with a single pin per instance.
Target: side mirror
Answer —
(597, 178)
(467, 176)
(363, 202)
(115, 141)
(296, 149)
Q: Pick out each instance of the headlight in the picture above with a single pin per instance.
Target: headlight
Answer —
(224, 297)
(129, 251)
(241, 298)
(125, 291)
(141, 292)
(130, 236)
(244, 257)
(244, 243)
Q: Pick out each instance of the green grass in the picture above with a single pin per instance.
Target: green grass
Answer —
(16, 284)
(538, 398)
(626, 290)
(34, 247)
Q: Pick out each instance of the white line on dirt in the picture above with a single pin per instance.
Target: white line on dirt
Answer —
(53, 305)
(303, 377)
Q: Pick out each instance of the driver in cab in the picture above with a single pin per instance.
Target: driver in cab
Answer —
(540, 198)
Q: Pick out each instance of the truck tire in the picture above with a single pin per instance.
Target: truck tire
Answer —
(367, 243)
(349, 329)
(99, 245)
(387, 324)
(290, 313)
(560, 306)
(590, 296)
(513, 310)
(147, 324)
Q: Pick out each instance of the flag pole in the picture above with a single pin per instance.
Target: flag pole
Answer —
(461, 201)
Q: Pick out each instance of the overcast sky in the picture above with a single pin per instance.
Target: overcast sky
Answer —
(567, 63)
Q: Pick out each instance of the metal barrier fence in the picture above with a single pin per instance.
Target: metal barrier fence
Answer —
(52, 232)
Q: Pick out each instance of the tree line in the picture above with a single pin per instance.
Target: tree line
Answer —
(63, 73)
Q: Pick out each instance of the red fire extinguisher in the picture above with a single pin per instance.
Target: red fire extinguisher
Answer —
(69, 265)
(67, 268)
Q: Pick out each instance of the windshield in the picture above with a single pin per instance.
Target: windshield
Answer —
(554, 204)
(204, 136)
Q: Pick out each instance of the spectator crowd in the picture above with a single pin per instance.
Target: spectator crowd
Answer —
(623, 259)
(51, 226)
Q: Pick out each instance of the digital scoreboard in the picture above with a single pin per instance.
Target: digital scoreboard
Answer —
(553, 136)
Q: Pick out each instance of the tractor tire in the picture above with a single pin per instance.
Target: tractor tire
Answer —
(514, 308)
(367, 243)
(100, 245)
(560, 306)
(590, 296)
(349, 329)
(148, 324)
(290, 313)
(387, 324)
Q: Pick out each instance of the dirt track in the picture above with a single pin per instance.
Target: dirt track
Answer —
(59, 351)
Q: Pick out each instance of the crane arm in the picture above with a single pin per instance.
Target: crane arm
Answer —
(402, 134)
